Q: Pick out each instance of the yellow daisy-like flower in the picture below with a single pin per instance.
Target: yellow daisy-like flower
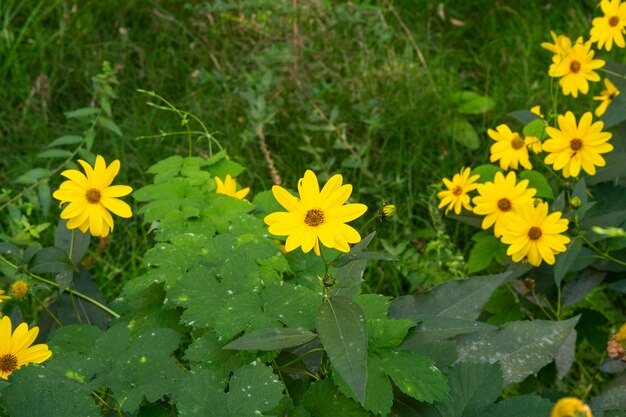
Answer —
(573, 145)
(510, 148)
(16, 349)
(575, 69)
(570, 407)
(386, 211)
(610, 27)
(317, 216)
(456, 194)
(606, 97)
(562, 44)
(535, 235)
(91, 196)
(229, 187)
(19, 288)
(497, 200)
(536, 110)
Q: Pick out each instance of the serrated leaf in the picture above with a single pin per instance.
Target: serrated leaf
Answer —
(323, 400)
(539, 182)
(272, 339)
(473, 386)
(522, 406)
(566, 260)
(52, 260)
(66, 140)
(342, 330)
(55, 153)
(82, 112)
(461, 299)
(109, 124)
(416, 376)
(486, 249)
(32, 176)
(521, 348)
(201, 394)
(253, 388)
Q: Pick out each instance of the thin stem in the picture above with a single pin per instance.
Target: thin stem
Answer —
(45, 307)
(594, 247)
(72, 243)
(305, 354)
(280, 375)
(71, 291)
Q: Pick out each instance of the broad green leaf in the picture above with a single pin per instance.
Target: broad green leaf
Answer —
(565, 356)
(566, 260)
(323, 400)
(613, 399)
(350, 275)
(201, 394)
(539, 182)
(253, 388)
(434, 329)
(368, 256)
(615, 166)
(50, 260)
(382, 331)
(208, 351)
(443, 353)
(473, 386)
(415, 375)
(77, 338)
(272, 339)
(576, 290)
(460, 299)
(109, 124)
(487, 248)
(504, 307)
(535, 128)
(32, 176)
(470, 102)
(66, 140)
(486, 172)
(521, 406)
(10, 250)
(464, 133)
(55, 153)
(83, 112)
(342, 330)
(521, 348)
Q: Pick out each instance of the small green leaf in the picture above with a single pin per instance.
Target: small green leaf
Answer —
(272, 339)
(415, 375)
(463, 132)
(50, 260)
(323, 400)
(535, 128)
(350, 276)
(342, 330)
(109, 124)
(66, 140)
(470, 102)
(83, 112)
(32, 176)
(566, 260)
(487, 172)
(487, 248)
(55, 153)
(539, 182)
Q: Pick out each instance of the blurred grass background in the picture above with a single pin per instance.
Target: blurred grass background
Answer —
(362, 88)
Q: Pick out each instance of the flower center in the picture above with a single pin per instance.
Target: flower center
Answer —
(19, 289)
(517, 142)
(504, 204)
(457, 190)
(575, 144)
(93, 196)
(8, 363)
(534, 233)
(314, 217)
(574, 66)
(614, 21)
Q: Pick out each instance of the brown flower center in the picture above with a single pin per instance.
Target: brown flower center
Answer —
(517, 142)
(93, 196)
(574, 66)
(614, 21)
(534, 233)
(314, 217)
(504, 204)
(575, 144)
(457, 190)
(8, 363)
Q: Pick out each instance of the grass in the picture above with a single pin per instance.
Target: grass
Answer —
(360, 88)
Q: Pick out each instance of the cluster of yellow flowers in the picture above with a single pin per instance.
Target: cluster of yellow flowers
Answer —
(573, 62)
(570, 407)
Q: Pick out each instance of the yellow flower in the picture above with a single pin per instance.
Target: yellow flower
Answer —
(497, 200)
(573, 146)
(620, 336)
(610, 27)
(19, 289)
(570, 407)
(229, 187)
(510, 149)
(562, 44)
(387, 211)
(317, 216)
(536, 110)
(575, 68)
(92, 196)
(456, 194)
(535, 235)
(606, 97)
(4, 297)
(16, 349)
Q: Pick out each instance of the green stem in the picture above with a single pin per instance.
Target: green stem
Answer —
(45, 307)
(69, 290)
(305, 354)
(594, 247)
(280, 375)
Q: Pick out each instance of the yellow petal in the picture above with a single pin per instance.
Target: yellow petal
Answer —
(309, 190)
(117, 191)
(288, 201)
(347, 213)
(117, 206)
(76, 176)
(5, 335)
(110, 173)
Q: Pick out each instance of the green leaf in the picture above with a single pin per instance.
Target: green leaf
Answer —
(521, 348)
(473, 386)
(464, 133)
(32, 176)
(349, 277)
(272, 339)
(253, 388)
(201, 394)
(342, 330)
(323, 400)
(566, 260)
(539, 182)
(613, 399)
(523, 116)
(109, 124)
(83, 112)
(522, 406)
(615, 166)
(50, 260)
(487, 172)
(487, 248)
(435, 329)
(470, 102)
(10, 250)
(66, 140)
(535, 128)
(71, 240)
(55, 153)
(415, 375)
(460, 299)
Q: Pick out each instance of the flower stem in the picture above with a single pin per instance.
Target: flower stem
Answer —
(69, 290)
